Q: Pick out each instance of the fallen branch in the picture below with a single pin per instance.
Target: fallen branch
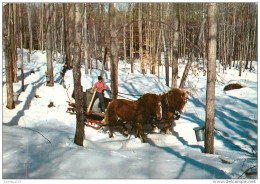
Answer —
(38, 133)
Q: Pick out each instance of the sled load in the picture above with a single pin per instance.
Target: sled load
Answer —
(92, 107)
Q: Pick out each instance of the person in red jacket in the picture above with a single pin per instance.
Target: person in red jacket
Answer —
(100, 86)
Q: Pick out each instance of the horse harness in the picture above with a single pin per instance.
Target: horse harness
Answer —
(176, 114)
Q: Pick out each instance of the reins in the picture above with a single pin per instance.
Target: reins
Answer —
(124, 94)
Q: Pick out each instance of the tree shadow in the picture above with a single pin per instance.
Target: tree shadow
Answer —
(14, 121)
(188, 160)
(246, 102)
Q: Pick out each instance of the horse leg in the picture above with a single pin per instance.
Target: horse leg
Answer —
(140, 132)
(166, 128)
(111, 132)
(123, 128)
(154, 127)
(111, 124)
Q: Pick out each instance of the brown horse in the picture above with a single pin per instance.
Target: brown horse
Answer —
(173, 102)
(136, 112)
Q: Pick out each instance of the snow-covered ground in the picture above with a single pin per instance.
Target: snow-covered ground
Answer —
(38, 141)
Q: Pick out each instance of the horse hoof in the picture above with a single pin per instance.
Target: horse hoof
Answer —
(155, 129)
(111, 136)
(125, 133)
(168, 133)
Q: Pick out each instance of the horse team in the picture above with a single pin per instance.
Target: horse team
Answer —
(148, 109)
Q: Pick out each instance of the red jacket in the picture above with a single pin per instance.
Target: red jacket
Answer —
(99, 86)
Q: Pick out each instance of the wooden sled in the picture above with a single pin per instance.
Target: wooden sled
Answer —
(93, 118)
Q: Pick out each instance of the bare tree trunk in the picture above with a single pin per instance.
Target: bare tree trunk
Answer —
(211, 77)
(49, 74)
(131, 40)
(104, 62)
(204, 46)
(95, 43)
(55, 33)
(232, 58)
(21, 46)
(149, 40)
(240, 59)
(165, 50)
(86, 45)
(14, 49)
(125, 39)
(62, 38)
(66, 35)
(254, 38)
(113, 51)
(42, 33)
(158, 54)
(9, 39)
(79, 134)
(30, 31)
(142, 69)
(186, 71)
(175, 49)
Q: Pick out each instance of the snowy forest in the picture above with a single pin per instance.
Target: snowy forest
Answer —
(53, 54)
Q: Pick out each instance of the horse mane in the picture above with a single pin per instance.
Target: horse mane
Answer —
(147, 102)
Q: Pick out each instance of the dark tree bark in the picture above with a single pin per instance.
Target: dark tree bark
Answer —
(14, 48)
(113, 51)
(131, 40)
(21, 46)
(186, 71)
(50, 81)
(79, 135)
(66, 35)
(211, 78)
(104, 62)
(8, 40)
(86, 44)
(30, 31)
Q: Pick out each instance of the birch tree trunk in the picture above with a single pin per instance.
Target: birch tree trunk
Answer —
(79, 134)
(142, 69)
(211, 78)
(113, 51)
(165, 50)
(175, 49)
